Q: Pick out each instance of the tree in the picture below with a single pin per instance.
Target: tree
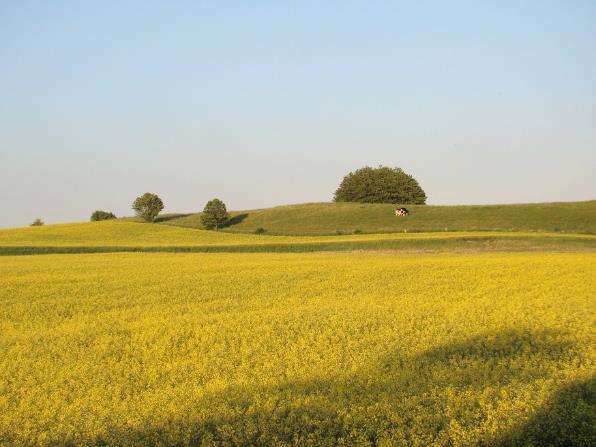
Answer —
(37, 223)
(101, 215)
(380, 185)
(214, 214)
(147, 206)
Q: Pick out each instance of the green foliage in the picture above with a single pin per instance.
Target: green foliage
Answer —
(37, 223)
(260, 230)
(215, 215)
(147, 206)
(380, 185)
(101, 215)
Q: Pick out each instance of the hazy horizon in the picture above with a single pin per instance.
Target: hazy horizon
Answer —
(265, 105)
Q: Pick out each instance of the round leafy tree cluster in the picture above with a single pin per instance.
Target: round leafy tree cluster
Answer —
(380, 185)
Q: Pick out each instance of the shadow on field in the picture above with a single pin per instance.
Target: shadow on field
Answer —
(234, 220)
(567, 419)
(403, 400)
(172, 216)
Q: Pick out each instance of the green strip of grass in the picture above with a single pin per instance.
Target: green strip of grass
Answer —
(488, 243)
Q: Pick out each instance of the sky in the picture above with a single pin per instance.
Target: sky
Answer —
(266, 103)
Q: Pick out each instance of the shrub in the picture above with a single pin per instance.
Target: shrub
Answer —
(101, 215)
(37, 223)
(380, 185)
(260, 230)
(147, 206)
(357, 231)
(215, 214)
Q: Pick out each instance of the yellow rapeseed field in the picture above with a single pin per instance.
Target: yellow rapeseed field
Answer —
(297, 349)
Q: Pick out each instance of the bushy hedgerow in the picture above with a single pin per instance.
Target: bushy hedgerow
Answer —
(101, 215)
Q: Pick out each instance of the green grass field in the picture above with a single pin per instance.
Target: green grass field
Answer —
(297, 349)
(330, 218)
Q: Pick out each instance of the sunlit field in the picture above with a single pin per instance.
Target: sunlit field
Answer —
(329, 218)
(297, 349)
(117, 236)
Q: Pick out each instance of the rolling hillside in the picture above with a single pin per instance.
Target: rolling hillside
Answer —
(328, 227)
(123, 236)
(333, 218)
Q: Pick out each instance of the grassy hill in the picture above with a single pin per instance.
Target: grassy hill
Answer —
(331, 218)
(329, 227)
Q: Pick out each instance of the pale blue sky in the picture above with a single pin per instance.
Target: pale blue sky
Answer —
(266, 103)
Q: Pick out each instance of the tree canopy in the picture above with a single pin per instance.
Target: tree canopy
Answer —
(147, 206)
(215, 214)
(380, 185)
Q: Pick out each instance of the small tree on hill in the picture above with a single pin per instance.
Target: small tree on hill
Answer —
(214, 214)
(147, 206)
(101, 215)
(380, 185)
(37, 223)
